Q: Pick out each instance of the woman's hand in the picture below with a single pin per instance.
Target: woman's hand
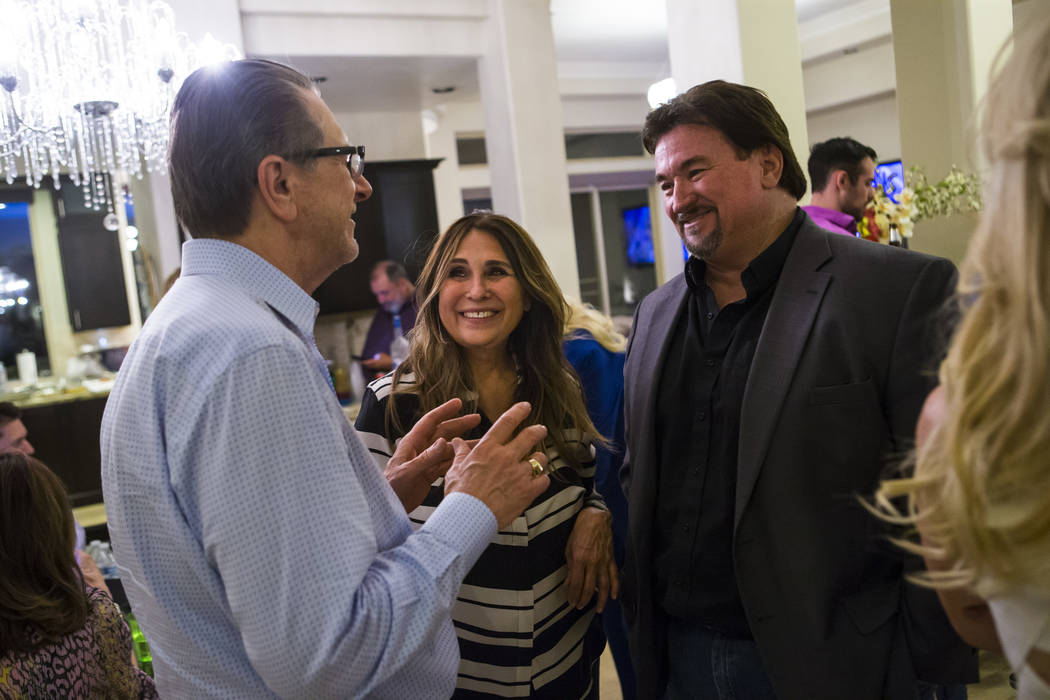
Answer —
(424, 453)
(589, 555)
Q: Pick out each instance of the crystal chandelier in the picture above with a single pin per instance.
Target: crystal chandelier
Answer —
(86, 90)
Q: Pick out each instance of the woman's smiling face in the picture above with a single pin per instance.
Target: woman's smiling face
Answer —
(481, 300)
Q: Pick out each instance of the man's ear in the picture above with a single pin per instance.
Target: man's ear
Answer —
(276, 181)
(771, 161)
(841, 179)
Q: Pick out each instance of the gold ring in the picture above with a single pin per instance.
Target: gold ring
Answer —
(537, 468)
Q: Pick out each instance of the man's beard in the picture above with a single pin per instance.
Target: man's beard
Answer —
(708, 244)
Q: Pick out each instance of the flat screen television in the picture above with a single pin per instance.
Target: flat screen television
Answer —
(890, 177)
(638, 235)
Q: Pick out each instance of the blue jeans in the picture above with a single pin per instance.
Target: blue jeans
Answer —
(704, 664)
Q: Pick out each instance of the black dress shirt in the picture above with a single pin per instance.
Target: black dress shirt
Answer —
(700, 394)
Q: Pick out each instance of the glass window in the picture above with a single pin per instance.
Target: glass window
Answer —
(21, 319)
(624, 262)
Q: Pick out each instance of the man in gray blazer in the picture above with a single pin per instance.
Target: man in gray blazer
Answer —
(766, 388)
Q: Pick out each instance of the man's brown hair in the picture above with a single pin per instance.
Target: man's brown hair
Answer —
(743, 114)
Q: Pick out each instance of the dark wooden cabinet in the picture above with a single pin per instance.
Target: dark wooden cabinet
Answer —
(65, 436)
(398, 222)
(91, 263)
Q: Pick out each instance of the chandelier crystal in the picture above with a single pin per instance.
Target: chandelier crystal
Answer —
(86, 87)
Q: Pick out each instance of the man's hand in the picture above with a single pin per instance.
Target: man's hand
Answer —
(496, 470)
(380, 362)
(424, 453)
(589, 554)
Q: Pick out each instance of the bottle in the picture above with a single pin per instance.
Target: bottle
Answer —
(103, 557)
(399, 345)
(143, 655)
(26, 362)
(341, 381)
(895, 236)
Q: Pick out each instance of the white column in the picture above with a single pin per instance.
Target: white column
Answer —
(754, 42)
(440, 137)
(943, 52)
(523, 131)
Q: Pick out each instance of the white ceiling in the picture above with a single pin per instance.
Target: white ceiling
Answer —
(610, 30)
(596, 39)
(389, 84)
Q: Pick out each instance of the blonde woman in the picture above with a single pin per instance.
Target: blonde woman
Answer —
(981, 491)
(489, 332)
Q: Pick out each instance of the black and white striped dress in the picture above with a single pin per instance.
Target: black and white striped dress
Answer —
(518, 635)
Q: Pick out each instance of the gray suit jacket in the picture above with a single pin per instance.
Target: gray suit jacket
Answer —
(841, 369)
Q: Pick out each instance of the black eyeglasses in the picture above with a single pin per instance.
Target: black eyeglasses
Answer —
(355, 157)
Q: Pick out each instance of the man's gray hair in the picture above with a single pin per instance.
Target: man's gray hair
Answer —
(394, 271)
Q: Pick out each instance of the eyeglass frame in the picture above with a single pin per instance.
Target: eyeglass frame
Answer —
(348, 151)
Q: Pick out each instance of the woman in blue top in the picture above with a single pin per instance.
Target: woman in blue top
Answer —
(595, 349)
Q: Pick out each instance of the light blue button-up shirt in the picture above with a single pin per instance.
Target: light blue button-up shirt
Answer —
(262, 551)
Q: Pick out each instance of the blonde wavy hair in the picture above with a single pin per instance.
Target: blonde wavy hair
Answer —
(584, 317)
(981, 491)
(440, 366)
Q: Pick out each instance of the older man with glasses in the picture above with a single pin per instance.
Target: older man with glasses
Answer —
(263, 552)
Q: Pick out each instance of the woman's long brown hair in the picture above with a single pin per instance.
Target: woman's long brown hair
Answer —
(41, 587)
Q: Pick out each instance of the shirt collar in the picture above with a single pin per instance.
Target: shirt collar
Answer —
(763, 271)
(242, 268)
(835, 216)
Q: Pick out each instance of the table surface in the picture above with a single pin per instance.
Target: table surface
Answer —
(90, 516)
(52, 394)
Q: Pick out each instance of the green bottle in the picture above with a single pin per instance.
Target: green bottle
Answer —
(139, 645)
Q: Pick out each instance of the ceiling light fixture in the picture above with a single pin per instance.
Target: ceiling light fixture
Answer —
(661, 91)
(87, 86)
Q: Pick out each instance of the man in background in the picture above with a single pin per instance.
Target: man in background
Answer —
(397, 297)
(842, 173)
(13, 434)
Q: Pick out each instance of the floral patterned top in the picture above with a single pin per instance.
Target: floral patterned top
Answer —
(93, 662)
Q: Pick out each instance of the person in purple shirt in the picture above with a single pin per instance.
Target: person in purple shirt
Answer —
(397, 297)
(842, 173)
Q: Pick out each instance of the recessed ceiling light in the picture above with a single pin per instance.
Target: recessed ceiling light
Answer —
(319, 79)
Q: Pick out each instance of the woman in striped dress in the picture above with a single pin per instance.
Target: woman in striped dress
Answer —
(489, 332)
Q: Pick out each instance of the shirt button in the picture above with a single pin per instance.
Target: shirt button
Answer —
(710, 315)
(685, 528)
(710, 363)
(702, 416)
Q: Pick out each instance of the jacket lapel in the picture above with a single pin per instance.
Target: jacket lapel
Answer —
(650, 339)
(656, 331)
(796, 301)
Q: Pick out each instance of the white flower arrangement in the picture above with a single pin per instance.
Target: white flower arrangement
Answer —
(955, 193)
